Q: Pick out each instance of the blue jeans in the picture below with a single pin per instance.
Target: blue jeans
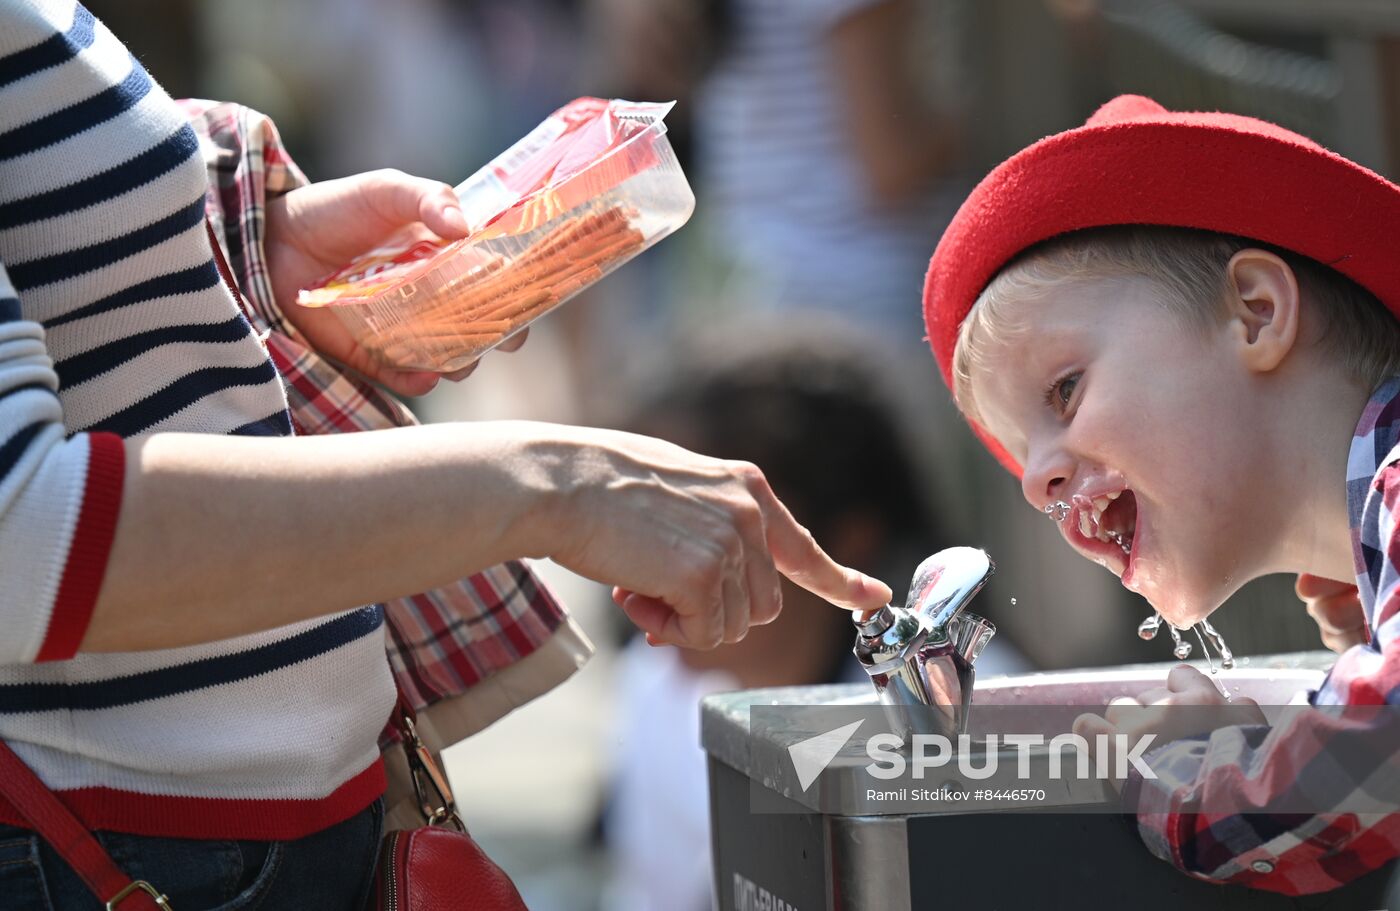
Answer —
(332, 870)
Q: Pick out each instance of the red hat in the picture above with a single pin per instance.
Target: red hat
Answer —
(1135, 162)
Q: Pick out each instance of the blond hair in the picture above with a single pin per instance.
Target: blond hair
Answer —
(1187, 270)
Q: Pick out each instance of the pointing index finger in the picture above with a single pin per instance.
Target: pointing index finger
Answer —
(797, 555)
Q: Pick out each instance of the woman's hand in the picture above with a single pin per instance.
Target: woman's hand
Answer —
(317, 229)
(1336, 606)
(694, 546)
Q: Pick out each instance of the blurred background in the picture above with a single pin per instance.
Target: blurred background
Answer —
(828, 142)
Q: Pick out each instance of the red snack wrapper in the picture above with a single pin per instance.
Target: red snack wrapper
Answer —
(588, 189)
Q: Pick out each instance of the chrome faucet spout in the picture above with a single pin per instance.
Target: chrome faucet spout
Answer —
(944, 584)
(921, 657)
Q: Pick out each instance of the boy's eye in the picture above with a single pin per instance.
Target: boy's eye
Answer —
(1059, 393)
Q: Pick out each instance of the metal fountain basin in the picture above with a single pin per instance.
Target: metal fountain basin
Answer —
(825, 849)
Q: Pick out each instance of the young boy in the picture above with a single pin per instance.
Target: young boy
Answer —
(1184, 327)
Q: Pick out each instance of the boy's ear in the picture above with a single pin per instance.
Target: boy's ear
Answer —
(1262, 303)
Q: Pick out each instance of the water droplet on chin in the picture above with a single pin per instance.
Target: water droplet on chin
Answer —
(1147, 629)
(1182, 650)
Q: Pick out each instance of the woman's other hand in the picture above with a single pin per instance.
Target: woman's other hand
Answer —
(317, 229)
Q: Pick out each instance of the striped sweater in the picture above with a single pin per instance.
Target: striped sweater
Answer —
(114, 323)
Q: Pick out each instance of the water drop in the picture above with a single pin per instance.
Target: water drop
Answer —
(1013, 602)
(1211, 664)
(1059, 510)
(1147, 629)
(1182, 650)
(1205, 652)
(1124, 543)
(1227, 657)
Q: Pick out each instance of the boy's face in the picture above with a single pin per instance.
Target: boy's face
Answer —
(1108, 400)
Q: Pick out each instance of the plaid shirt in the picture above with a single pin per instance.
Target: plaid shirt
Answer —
(440, 642)
(1300, 853)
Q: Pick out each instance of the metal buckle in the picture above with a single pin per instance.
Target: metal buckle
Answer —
(426, 774)
(139, 885)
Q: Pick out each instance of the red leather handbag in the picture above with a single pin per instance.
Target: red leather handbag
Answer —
(438, 866)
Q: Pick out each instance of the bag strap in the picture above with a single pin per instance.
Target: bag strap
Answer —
(47, 815)
(435, 799)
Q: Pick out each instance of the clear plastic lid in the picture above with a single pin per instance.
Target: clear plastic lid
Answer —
(587, 190)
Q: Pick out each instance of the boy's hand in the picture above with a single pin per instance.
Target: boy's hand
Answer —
(1188, 705)
(316, 229)
(1336, 606)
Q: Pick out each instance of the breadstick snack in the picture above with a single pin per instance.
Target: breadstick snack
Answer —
(587, 190)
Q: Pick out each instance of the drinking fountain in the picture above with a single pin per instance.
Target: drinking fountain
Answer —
(785, 842)
(921, 657)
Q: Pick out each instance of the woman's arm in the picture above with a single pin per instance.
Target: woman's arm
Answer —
(221, 536)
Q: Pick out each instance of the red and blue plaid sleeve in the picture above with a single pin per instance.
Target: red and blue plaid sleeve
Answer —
(1214, 809)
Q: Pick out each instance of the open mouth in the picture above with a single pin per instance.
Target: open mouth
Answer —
(1102, 528)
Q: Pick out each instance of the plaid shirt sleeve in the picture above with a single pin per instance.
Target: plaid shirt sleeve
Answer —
(1248, 770)
(440, 642)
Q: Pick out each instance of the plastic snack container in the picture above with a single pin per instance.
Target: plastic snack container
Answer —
(587, 190)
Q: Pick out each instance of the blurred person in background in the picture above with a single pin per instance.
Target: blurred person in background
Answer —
(825, 165)
(446, 84)
(814, 406)
(822, 164)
